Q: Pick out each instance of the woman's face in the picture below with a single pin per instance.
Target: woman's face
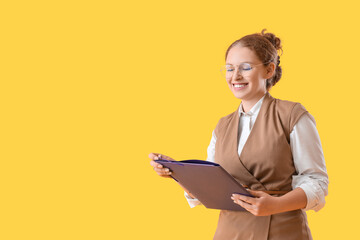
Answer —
(250, 84)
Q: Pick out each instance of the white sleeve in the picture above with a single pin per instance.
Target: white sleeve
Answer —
(211, 148)
(309, 162)
(193, 202)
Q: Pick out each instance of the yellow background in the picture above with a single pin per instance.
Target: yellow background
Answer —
(90, 88)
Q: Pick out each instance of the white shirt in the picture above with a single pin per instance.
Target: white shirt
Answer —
(307, 155)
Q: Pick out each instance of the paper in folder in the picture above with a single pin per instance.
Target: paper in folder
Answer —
(211, 184)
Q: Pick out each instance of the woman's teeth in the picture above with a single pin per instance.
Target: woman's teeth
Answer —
(239, 85)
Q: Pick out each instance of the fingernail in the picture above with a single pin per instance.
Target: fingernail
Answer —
(166, 170)
(156, 158)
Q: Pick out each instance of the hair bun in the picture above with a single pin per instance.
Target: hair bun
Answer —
(275, 41)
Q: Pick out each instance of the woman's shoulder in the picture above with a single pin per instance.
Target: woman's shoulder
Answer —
(289, 111)
(288, 106)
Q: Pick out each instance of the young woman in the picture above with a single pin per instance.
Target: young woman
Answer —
(269, 145)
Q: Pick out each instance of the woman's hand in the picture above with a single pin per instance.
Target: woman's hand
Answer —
(262, 204)
(159, 169)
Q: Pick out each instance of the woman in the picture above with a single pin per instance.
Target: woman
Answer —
(269, 145)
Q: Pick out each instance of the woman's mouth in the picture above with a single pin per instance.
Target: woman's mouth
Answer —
(239, 86)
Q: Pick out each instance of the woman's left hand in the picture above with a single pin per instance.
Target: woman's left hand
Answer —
(262, 204)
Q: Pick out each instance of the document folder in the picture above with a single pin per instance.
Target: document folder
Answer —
(211, 184)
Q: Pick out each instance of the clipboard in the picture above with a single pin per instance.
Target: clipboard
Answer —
(210, 183)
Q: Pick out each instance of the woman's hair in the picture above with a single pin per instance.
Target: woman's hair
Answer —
(265, 46)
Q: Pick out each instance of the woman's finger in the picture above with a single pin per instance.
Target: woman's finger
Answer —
(157, 156)
(160, 169)
(155, 164)
(164, 171)
(163, 174)
(243, 198)
(154, 156)
(245, 205)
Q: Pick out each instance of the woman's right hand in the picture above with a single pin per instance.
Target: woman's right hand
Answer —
(158, 168)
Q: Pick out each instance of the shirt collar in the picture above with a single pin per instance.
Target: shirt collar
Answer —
(254, 110)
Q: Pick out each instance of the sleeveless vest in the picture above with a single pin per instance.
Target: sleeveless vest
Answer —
(265, 163)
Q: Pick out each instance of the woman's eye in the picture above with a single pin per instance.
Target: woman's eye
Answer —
(246, 67)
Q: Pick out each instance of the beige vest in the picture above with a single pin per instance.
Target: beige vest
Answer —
(265, 163)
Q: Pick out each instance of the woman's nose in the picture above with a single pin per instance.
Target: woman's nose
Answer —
(237, 74)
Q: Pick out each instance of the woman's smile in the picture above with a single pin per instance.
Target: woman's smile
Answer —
(239, 86)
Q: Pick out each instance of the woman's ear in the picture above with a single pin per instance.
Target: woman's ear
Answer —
(270, 70)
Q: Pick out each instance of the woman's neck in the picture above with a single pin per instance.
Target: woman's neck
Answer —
(247, 104)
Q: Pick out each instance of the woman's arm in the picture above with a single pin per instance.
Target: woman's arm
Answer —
(309, 162)
(310, 185)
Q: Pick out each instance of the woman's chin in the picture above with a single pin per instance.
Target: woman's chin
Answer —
(239, 95)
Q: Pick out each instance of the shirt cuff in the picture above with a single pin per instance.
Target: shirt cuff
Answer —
(315, 196)
(193, 202)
